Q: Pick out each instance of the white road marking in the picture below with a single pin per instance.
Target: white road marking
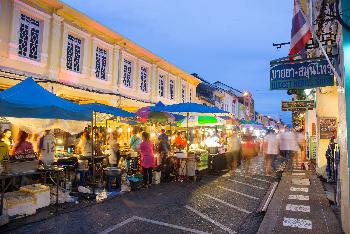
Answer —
(228, 204)
(114, 227)
(134, 218)
(298, 223)
(171, 226)
(298, 174)
(298, 197)
(298, 208)
(254, 178)
(234, 191)
(304, 182)
(253, 186)
(294, 189)
(204, 216)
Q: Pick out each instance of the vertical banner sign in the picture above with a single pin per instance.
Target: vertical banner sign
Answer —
(304, 74)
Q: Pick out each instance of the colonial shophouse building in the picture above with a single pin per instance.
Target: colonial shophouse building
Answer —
(82, 60)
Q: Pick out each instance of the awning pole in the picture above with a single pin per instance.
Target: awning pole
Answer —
(188, 133)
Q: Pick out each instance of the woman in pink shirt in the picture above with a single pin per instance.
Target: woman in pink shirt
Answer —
(147, 158)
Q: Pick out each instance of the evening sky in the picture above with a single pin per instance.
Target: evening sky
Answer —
(225, 40)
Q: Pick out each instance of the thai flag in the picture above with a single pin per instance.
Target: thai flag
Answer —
(301, 32)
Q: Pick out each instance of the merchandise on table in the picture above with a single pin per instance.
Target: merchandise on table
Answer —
(18, 203)
(41, 193)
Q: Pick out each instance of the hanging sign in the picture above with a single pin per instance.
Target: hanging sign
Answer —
(298, 105)
(328, 128)
(301, 75)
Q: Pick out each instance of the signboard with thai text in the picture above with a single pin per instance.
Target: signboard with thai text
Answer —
(328, 128)
(301, 75)
(298, 105)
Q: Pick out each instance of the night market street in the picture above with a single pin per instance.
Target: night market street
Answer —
(174, 116)
(217, 204)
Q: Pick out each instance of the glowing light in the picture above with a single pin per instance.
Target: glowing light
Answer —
(194, 131)
(173, 138)
(109, 130)
(129, 130)
(59, 141)
(120, 130)
(153, 134)
(202, 144)
(251, 128)
(245, 94)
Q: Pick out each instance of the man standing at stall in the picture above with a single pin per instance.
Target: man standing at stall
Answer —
(47, 148)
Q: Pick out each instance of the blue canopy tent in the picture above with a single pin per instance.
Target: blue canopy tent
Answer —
(27, 99)
(101, 108)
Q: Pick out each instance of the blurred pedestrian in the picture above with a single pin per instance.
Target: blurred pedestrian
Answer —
(163, 146)
(289, 147)
(135, 140)
(84, 147)
(249, 150)
(147, 158)
(46, 147)
(233, 152)
(114, 147)
(270, 150)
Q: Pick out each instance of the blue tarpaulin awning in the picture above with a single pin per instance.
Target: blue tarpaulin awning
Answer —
(27, 99)
(101, 108)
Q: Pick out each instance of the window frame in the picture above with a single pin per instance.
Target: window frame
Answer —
(171, 84)
(43, 43)
(183, 93)
(74, 52)
(144, 88)
(99, 54)
(161, 85)
(132, 64)
(30, 27)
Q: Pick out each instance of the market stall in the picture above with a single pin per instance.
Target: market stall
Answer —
(27, 99)
(193, 113)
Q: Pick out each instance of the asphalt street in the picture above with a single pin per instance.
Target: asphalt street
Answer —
(216, 204)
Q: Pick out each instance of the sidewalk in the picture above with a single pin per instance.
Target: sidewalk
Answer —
(299, 205)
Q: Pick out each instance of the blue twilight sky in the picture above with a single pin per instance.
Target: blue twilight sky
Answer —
(225, 40)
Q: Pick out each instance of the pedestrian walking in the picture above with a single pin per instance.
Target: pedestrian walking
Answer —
(233, 152)
(249, 150)
(163, 146)
(147, 158)
(270, 150)
(289, 147)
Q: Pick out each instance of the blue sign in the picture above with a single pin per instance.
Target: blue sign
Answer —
(301, 75)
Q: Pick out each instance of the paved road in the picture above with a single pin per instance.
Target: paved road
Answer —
(217, 204)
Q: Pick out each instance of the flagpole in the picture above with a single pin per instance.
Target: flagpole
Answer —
(319, 43)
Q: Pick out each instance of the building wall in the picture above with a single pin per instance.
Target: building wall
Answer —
(326, 106)
(52, 62)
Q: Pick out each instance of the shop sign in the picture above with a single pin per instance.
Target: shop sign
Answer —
(328, 128)
(301, 75)
(298, 105)
(313, 148)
